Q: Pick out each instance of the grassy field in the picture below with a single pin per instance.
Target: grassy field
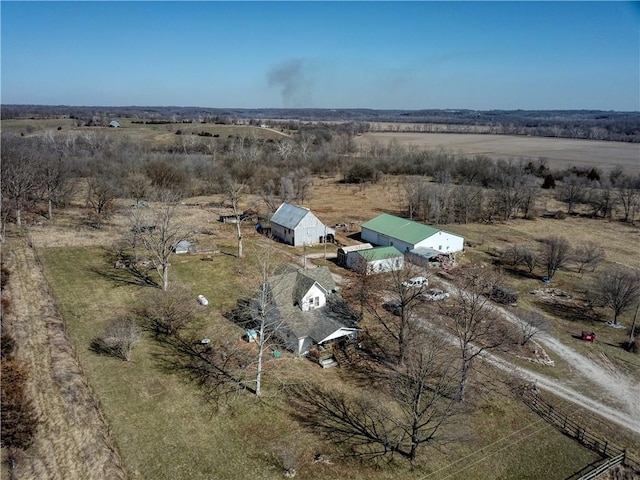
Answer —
(157, 134)
(158, 416)
(560, 152)
(165, 429)
(162, 423)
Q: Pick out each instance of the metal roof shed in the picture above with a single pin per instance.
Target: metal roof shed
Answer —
(376, 260)
(405, 235)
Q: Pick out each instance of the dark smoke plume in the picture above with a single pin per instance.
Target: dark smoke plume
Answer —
(294, 84)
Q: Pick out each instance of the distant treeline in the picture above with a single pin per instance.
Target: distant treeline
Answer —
(41, 173)
(582, 124)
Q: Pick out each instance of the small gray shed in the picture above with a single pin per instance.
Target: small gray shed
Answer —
(184, 246)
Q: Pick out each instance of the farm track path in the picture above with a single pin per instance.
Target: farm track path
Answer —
(611, 394)
(73, 439)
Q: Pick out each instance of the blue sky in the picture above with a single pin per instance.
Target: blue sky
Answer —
(408, 55)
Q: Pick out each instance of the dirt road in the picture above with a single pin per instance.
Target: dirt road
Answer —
(73, 439)
(611, 394)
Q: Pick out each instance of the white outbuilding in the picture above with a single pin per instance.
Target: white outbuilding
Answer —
(406, 235)
(297, 226)
(375, 260)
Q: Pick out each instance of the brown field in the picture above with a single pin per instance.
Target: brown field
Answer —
(128, 392)
(151, 417)
(560, 152)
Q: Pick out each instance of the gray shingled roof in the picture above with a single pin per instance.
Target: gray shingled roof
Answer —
(289, 284)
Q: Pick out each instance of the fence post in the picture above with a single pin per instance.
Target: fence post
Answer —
(606, 444)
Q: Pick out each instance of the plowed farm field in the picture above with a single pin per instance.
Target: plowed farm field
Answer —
(559, 152)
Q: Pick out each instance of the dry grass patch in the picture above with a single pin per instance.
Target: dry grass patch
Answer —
(73, 439)
(561, 152)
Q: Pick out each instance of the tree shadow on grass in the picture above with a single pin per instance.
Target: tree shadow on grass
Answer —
(124, 269)
(571, 312)
(219, 370)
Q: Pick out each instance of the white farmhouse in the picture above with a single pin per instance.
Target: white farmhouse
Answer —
(308, 308)
(406, 235)
(297, 226)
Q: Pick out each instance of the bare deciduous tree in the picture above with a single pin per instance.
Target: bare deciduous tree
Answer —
(530, 259)
(235, 190)
(412, 193)
(413, 403)
(587, 256)
(471, 319)
(514, 255)
(119, 338)
(102, 193)
(531, 324)
(19, 173)
(398, 320)
(602, 199)
(554, 254)
(168, 312)
(285, 150)
(159, 231)
(628, 194)
(508, 196)
(138, 185)
(618, 288)
(467, 203)
(260, 314)
(572, 191)
(166, 174)
(54, 172)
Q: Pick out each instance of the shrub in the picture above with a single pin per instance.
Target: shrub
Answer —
(19, 420)
(166, 313)
(359, 173)
(549, 182)
(118, 339)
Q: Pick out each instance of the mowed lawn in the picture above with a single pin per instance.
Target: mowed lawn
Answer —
(166, 429)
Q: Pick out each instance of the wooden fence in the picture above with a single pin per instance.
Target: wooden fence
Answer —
(615, 455)
(603, 467)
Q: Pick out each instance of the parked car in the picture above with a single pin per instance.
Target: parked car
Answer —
(393, 306)
(416, 282)
(434, 294)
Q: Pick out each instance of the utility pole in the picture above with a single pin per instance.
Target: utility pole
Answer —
(633, 325)
(304, 255)
(325, 244)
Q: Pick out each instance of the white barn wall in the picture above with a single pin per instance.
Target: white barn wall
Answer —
(383, 240)
(444, 242)
(359, 264)
(309, 231)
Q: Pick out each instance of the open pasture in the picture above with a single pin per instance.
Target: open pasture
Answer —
(560, 152)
